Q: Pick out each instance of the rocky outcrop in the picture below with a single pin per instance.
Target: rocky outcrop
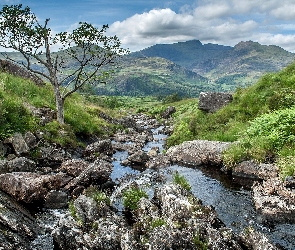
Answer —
(274, 201)
(15, 69)
(17, 226)
(168, 112)
(198, 152)
(254, 170)
(17, 164)
(213, 101)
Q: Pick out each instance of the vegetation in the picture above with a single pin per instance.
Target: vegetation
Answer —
(97, 195)
(260, 118)
(132, 196)
(87, 47)
(18, 95)
(181, 181)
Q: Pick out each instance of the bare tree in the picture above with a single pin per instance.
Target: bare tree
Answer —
(86, 47)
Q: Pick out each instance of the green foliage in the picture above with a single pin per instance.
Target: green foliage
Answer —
(181, 181)
(158, 223)
(132, 196)
(286, 166)
(172, 98)
(200, 243)
(97, 195)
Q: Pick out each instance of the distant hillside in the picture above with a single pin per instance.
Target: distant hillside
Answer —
(140, 76)
(228, 67)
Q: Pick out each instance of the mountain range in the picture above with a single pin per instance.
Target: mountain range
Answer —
(187, 68)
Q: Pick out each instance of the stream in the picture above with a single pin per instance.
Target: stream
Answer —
(232, 201)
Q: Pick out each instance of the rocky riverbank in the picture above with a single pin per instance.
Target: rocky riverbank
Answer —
(37, 177)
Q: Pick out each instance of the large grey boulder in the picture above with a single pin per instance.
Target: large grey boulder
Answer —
(213, 101)
(198, 152)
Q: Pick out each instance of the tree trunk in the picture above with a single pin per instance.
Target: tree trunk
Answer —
(59, 102)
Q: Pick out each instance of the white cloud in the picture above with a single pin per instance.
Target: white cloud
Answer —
(219, 21)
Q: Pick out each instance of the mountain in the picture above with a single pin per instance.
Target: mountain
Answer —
(140, 76)
(227, 67)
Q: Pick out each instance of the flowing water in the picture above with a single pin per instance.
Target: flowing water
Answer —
(232, 202)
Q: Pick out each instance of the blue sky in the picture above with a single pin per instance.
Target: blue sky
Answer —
(142, 23)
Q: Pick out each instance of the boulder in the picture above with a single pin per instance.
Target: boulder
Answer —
(30, 139)
(31, 187)
(168, 112)
(56, 199)
(73, 167)
(18, 227)
(213, 101)
(198, 152)
(274, 201)
(255, 170)
(18, 164)
(19, 144)
(138, 158)
(100, 147)
(97, 173)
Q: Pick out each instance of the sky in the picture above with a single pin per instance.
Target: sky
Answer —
(143, 23)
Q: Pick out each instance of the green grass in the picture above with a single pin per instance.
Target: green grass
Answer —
(81, 116)
(132, 196)
(181, 181)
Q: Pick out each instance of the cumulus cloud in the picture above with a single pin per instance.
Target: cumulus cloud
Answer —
(220, 21)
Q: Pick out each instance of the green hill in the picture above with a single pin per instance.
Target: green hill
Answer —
(261, 117)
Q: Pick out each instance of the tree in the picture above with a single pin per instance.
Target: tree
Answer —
(86, 47)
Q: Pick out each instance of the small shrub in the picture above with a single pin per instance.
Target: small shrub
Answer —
(286, 166)
(181, 181)
(97, 195)
(200, 243)
(158, 223)
(132, 196)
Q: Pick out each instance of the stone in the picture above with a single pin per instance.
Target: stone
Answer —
(213, 101)
(73, 167)
(17, 164)
(18, 224)
(56, 199)
(138, 158)
(30, 139)
(198, 152)
(30, 187)
(274, 201)
(100, 147)
(168, 112)
(252, 169)
(19, 144)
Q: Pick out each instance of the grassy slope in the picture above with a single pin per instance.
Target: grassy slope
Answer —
(16, 93)
(260, 117)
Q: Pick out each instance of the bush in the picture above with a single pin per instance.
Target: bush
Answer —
(132, 196)
(181, 181)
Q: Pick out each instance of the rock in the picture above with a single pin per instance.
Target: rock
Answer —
(17, 70)
(18, 227)
(138, 158)
(256, 240)
(30, 139)
(274, 201)
(30, 187)
(252, 169)
(18, 164)
(100, 147)
(3, 149)
(160, 161)
(198, 152)
(73, 167)
(19, 144)
(213, 101)
(168, 112)
(56, 199)
(154, 152)
(97, 173)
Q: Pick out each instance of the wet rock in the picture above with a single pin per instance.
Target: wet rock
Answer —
(30, 187)
(18, 164)
(97, 173)
(168, 112)
(18, 226)
(100, 147)
(154, 152)
(213, 101)
(160, 161)
(256, 240)
(138, 158)
(73, 167)
(56, 199)
(198, 152)
(274, 201)
(252, 169)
